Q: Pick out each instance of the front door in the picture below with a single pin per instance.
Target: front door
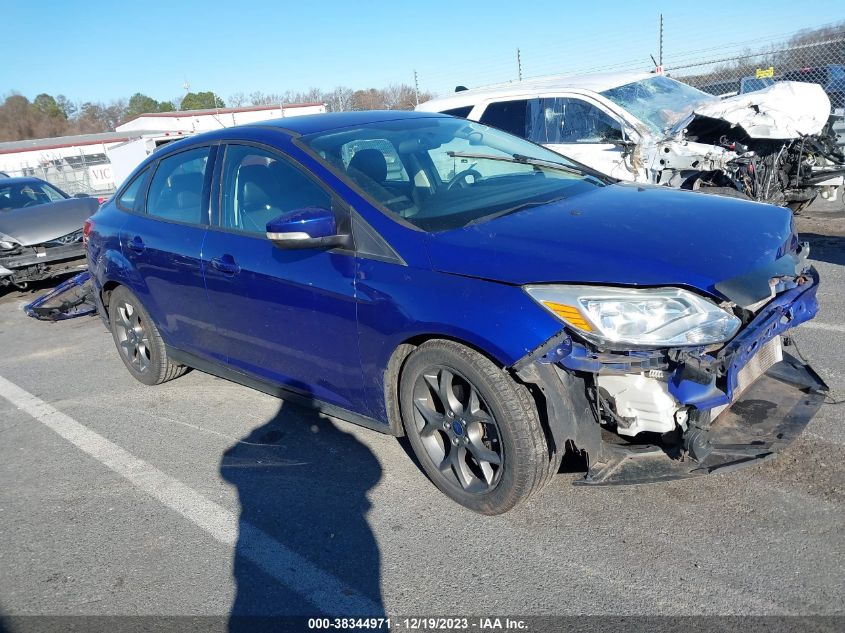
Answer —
(571, 126)
(287, 316)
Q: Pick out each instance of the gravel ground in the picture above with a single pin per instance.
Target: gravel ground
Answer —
(238, 501)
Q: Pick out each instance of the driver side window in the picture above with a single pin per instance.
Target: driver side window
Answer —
(259, 186)
(564, 120)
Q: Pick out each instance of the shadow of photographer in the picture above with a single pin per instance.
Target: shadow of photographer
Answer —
(304, 546)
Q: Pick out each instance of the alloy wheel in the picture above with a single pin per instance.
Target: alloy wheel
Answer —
(457, 430)
(133, 337)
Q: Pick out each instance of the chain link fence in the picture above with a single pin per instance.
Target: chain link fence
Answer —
(821, 62)
(84, 173)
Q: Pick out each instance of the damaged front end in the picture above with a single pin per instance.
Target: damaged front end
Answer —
(776, 146)
(21, 264)
(643, 415)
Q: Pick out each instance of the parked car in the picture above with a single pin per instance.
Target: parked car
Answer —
(752, 84)
(40, 231)
(771, 146)
(831, 78)
(493, 301)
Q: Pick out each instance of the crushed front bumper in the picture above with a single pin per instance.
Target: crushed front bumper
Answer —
(768, 416)
(36, 263)
(730, 425)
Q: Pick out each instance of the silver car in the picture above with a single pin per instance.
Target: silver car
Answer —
(40, 231)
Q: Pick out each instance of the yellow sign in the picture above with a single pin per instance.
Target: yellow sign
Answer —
(765, 73)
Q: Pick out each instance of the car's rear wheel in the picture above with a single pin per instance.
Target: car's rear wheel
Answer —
(474, 430)
(138, 340)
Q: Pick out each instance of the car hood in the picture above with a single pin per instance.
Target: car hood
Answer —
(627, 235)
(34, 225)
(784, 110)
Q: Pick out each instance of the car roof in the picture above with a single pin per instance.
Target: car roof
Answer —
(314, 123)
(598, 82)
(18, 180)
(299, 125)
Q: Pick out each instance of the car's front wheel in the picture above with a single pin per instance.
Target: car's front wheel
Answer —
(138, 340)
(474, 430)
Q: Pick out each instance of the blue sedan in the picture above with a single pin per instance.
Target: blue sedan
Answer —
(498, 304)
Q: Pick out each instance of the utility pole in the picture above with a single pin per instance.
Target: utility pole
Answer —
(416, 88)
(519, 63)
(660, 44)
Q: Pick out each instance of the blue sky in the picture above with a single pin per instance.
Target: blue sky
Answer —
(96, 50)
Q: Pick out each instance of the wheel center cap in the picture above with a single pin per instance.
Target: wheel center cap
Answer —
(457, 427)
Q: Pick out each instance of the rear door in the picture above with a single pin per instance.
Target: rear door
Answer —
(162, 240)
(286, 316)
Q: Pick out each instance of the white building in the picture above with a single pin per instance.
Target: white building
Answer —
(196, 121)
(98, 163)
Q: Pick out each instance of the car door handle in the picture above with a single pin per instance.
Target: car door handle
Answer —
(137, 244)
(226, 265)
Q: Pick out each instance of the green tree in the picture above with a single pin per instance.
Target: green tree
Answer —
(140, 104)
(47, 105)
(201, 101)
(67, 108)
(165, 106)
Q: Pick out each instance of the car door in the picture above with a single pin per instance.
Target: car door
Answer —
(162, 240)
(286, 316)
(573, 126)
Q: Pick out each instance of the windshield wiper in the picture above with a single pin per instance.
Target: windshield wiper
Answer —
(514, 209)
(520, 159)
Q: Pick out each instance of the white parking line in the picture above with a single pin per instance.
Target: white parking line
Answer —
(815, 325)
(320, 588)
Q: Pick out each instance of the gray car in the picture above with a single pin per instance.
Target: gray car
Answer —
(40, 231)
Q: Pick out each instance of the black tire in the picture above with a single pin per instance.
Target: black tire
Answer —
(138, 341)
(451, 440)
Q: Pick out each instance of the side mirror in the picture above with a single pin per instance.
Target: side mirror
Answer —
(81, 195)
(310, 227)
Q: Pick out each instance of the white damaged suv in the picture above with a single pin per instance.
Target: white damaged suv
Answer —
(774, 145)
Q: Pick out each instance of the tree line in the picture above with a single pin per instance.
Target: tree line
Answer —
(48, 116)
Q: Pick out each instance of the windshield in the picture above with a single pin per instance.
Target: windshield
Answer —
(658, 101)
(27, 194)
(442, 173)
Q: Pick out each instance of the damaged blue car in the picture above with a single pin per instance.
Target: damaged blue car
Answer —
(493, 301)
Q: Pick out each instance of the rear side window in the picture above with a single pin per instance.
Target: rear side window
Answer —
(132, 198)
(259, 186)
(177, 185)
(507, 115)
(459, 112)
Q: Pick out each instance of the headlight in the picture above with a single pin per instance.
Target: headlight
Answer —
(7, 243)
(662, 317)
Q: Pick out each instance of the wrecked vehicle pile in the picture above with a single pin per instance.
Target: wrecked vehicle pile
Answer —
(775, 145)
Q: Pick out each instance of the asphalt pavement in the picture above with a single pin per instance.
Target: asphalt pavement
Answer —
(203, 497)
